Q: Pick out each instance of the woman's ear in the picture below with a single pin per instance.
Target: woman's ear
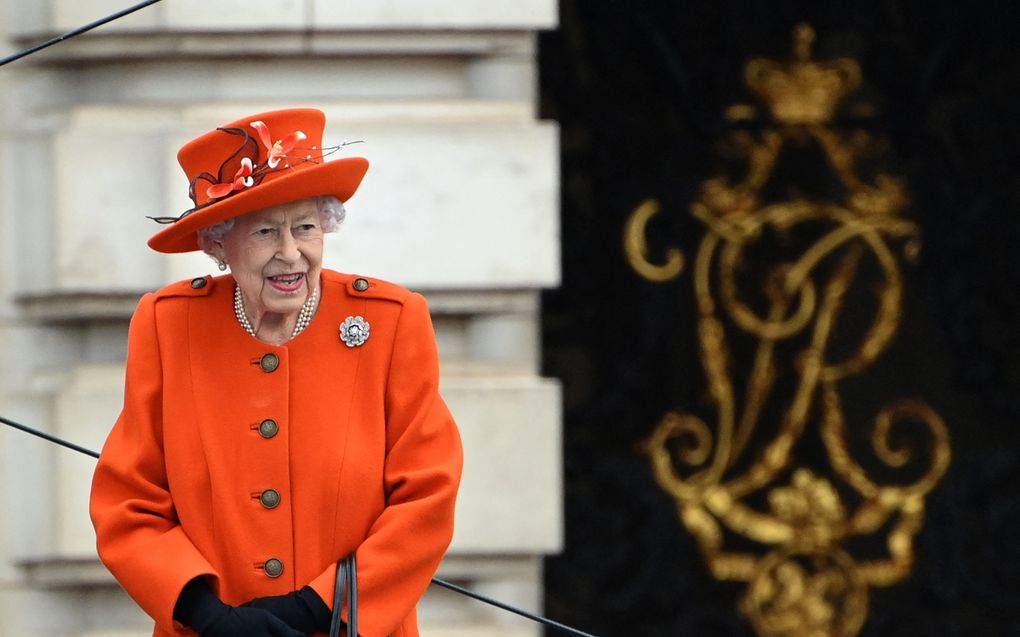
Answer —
(217, 251)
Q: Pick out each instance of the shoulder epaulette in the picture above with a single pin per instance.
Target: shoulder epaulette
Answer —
(199, 286)
(367, 287)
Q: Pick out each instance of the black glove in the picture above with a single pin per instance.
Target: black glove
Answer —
(199, 608)
(303, 609)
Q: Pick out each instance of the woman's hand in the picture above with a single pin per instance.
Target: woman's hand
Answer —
(303, 609)
(198, 607)
(243, 621)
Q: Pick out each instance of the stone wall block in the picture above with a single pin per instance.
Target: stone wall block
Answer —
(28, 612)
(28, 175)
(86, 408)
(69, 14)
(239, 15)
(502, 76)
(509, 339)
(454, 205)
(19, 19)
(35, 355)
(432, 14)
(107, 177)
(28, 511)
(183, 15)
(509, 500)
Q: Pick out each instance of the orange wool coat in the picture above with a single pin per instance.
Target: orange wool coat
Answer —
(360, 448)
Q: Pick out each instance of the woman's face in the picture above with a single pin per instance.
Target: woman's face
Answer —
(275, 256)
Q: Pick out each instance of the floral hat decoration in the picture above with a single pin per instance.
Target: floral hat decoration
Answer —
(254, 163)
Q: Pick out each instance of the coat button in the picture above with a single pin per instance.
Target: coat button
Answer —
(274, 567)
(269, 362)
(268, 428)
(198, 283)
(360, 284)
(270, 498)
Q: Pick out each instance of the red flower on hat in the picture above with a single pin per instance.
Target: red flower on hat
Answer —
(242, 179)
(277, 150)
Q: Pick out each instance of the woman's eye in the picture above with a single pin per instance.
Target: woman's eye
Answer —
(264, 231)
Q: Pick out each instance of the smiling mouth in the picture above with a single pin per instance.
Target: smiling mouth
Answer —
(287, 282)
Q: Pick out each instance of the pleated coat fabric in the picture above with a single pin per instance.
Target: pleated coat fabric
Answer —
(364, 455)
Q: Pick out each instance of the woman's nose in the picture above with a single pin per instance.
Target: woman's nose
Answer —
(288, 247)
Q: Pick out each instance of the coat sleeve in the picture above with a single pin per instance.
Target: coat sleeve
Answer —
(138, 534)
(422, 472)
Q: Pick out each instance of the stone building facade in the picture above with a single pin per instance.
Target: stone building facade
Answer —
(461, 204)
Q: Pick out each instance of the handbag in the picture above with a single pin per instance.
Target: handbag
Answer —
(346, 582)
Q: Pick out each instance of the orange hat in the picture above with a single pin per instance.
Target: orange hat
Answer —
(254, 163)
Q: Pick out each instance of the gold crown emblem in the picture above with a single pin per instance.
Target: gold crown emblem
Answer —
(802, 91)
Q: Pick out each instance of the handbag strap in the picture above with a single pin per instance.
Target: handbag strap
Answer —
(352, 596)
(346, 582)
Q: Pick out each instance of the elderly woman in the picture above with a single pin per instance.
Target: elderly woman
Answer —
(277, 418)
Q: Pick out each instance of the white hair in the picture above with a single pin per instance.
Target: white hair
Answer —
(331, 215)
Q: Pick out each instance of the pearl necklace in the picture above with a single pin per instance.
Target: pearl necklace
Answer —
(304, 316)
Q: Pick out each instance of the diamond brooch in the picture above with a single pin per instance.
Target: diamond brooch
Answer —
(354, 331)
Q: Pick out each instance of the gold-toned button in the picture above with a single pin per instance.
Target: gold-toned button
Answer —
(269, 362)
(270, 498)
(360, 284)
(268, 428)
(198, 283)
(274, 567)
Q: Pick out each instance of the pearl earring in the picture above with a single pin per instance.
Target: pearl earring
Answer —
(222, 265)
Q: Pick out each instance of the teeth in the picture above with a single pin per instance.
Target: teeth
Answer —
(291, 278)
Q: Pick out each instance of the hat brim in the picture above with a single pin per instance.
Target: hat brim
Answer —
(339, 178)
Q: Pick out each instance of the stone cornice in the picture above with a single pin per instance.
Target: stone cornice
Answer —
(160, 45)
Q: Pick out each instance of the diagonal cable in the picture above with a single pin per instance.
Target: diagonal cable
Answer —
(78, 31)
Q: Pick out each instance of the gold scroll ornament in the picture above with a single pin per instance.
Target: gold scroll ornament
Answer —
(803, 580)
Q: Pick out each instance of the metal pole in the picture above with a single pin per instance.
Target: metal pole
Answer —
(78, 31)
(507, 607)
(51, 438)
